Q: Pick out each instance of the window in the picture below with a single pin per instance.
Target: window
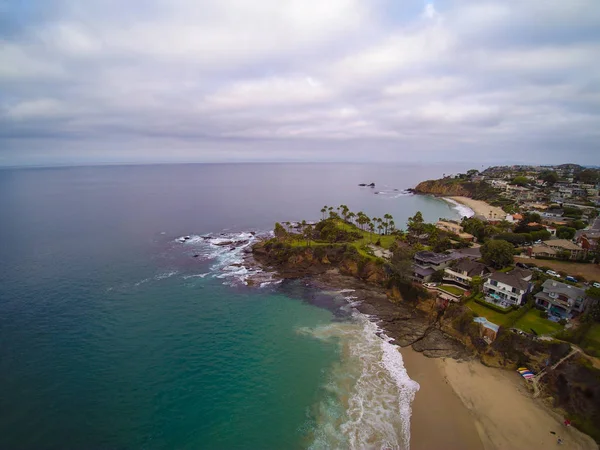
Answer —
(514, 290)
(493, 282)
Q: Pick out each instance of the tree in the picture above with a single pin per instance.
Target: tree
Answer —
(549, 177)
(520, 181)
(279, 231)
(307, 233)
(387, 217)
(497, 253)
(565, 232)
(351, 216)
(401, 263)
(437, 276)
(588, 176)
(578, 224)
(392, 226)
(323, 211)
(415, 224)
(476, 284)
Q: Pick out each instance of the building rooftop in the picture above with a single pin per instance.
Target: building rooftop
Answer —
(469, 252)
(511, 279)
(472, 268)
(435, 258)
(563, 243)
(551, 285)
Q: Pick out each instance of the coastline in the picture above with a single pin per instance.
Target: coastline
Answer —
(439, 417)
(479, 207)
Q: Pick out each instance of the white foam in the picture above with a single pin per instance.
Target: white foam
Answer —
(462, 210)
(370, 393)
(198, 275)
(225, 252)
(164, 275)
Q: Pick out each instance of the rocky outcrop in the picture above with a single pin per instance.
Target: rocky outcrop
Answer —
(336, 268)
(442, 188)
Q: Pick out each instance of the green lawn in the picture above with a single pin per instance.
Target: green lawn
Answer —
(452, 289)
(489, 314)
(532, 320)
(367, 237)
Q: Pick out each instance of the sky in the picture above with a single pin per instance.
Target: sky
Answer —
(107, 81)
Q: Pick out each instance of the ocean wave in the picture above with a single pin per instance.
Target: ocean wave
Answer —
(462, 210)
(368, 395)
(225, 254)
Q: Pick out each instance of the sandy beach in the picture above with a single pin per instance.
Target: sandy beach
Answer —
(501, 410)
(481, 208)
(439, 418)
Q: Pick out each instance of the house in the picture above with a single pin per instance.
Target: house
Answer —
(552, 213)
(551, 230)
(560, 299)
(507, 289)
(426, 263)
(454, 227)
(463, 270)
(575, 252)
(541, 251)
(472, 253)
(588, 239)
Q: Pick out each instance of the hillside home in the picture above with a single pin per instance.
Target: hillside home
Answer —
(462, 272)
(507, 289)
(426, 263)
(560, 299)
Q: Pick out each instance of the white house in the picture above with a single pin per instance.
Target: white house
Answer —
(507, 289)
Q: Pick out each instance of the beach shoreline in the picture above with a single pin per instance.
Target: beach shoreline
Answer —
(480, 208)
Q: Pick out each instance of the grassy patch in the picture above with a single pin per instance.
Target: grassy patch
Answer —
(591, 341)
(532, 320)
(489, 314)
(367, 237)
(452, 290)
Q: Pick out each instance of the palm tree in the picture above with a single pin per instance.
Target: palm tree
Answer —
(380, 228)
(388, 217)
(351, 216)
(307, 233)
(323, 211)
(371, 229)
(392, 226)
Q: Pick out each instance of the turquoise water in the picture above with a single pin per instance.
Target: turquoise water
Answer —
(113, 335)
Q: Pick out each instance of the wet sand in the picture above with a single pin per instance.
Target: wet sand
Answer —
(439, 418)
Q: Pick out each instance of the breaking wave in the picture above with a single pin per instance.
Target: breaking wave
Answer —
(462, 210)
(226, 253)
(368, 395)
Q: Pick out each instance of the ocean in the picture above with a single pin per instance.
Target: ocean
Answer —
(114, 334)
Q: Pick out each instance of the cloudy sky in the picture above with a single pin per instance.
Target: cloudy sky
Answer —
(108, 81)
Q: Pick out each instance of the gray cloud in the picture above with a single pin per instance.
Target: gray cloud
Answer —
(181, 80)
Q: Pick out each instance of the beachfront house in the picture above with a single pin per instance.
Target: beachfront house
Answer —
(425, 263)
(463, 270)
(508, 289)
(561, 300)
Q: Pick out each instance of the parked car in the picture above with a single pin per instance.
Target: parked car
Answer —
(552, 273)
(596, 285)
(524, 266)
(431, 285)
(571, 279)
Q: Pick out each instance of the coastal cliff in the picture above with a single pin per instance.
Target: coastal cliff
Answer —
(454, 187)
